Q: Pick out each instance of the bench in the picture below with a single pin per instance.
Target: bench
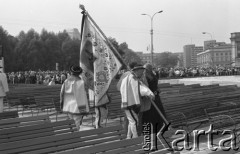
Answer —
(57, 106)
(25, 121)
(8, 114)
(45, 102)
(28, 103)
(16, 94)
(223, 117)
(12, 100)
(63, 142)
(114, 107)
(131, 146)
(58, 110)
(177, 119)
(188, 105)
(36, 131)
(198, 98)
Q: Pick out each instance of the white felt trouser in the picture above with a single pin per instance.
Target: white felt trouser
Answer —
(132, 126)
(77, 118)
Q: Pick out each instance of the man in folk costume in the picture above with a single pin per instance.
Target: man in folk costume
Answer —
(131, 91)
(130, 67)
(3, 88)
(73, 97)
(144, 100)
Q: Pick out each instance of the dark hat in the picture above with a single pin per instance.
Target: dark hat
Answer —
(75, 69)
(138, 67)
(132, 65)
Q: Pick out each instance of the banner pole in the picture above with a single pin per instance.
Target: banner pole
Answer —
(108, 42)
(117, 54)
(166, 123)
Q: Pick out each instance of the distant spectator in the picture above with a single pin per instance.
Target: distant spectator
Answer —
(52, 82)
(63, 77)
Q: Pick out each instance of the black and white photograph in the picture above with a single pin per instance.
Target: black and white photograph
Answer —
(119, 76)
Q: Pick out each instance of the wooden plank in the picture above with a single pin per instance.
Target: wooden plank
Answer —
(8, 115)
(36, 131)
(65, 141)
(18, 122)
(107, 146)
(131, 146)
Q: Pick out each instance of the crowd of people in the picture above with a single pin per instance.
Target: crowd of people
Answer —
(183, 72)
(196, 71)
(58, 77)
(37, 77)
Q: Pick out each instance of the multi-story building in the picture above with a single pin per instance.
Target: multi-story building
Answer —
(74, 33)
(209, 44)
(190, 55)
(219, 54)
(235, 49)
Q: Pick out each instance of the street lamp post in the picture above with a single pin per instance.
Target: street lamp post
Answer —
(151, 32)
(208, 34)
(212, 55)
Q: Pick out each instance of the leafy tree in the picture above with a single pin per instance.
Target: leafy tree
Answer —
(26, 49)
(127, 54)
(71, 49)
(123, 46)
(116, 45)
(166, 59)
(8, 43)
(42, 51)
(130, 56)
(33, 51)
(50, 52)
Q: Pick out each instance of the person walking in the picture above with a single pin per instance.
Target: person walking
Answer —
(3, 88)
(73, 96)
(131, 90)
(130, 67)
(152, 116)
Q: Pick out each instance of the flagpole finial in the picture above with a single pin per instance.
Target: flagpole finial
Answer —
(82, 7)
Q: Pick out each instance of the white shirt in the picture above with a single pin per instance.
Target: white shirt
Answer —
(131, 90)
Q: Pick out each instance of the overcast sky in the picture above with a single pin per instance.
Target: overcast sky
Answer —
(181, 22)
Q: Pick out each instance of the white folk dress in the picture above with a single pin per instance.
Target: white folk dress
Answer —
(74, 99)
(74, 96)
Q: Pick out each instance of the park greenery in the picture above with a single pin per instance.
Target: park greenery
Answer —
(166, 59)
(33, 51)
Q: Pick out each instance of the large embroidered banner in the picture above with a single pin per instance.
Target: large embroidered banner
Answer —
(98, 62)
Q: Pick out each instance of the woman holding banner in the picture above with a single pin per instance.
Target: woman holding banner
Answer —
(73, 97)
